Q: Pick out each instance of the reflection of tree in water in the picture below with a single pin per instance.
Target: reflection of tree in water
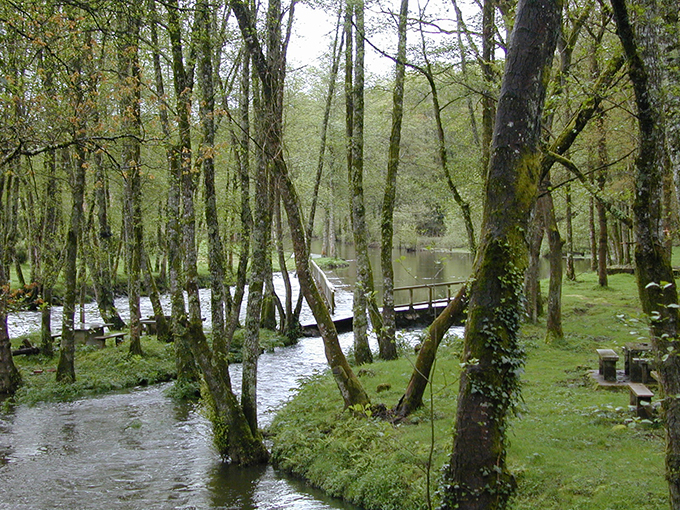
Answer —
(265, 489)
(68, 432)
(233, 486)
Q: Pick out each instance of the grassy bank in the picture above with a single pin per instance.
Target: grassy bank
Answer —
(97, 371)
(110, 369)
(574, 446)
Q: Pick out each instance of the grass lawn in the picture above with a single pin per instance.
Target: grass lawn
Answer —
(573, 445)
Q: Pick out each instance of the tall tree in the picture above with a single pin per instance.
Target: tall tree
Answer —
(638, 31)
(178, 160)
(130, 114)
(386, 337)
(477, 476)
(349, 385)
(77, 167)
(354, 91)
(10, 378)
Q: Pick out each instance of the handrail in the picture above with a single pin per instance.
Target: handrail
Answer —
(327, 288)
(430, 291)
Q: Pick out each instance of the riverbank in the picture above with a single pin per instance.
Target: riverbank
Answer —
(101, 371)
(574, 444)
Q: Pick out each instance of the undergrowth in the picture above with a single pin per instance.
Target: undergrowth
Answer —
(97, 371)
(573, 444)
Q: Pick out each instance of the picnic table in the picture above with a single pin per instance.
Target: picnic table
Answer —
(84, 333)
(637, 360)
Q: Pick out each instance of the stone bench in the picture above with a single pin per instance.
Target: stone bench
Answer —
(607, 366)
(101, 340)
(641, 399)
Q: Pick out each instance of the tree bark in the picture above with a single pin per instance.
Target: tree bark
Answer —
(364, 279)
(186, 367)
(554, 332)
(130, 114)
(412, 398)
(386, 337)
(477, 476)
(10, 378)
(272, 81)
(656, 287)
(66, 366)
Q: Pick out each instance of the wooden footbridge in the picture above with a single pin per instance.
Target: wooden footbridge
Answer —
(414, 304)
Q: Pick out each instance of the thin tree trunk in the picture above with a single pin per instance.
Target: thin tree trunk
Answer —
(364, 284)
(386, 337)
(350, 387)
(532, 284)
(186, 367)
(10, 378)
(130, 114)
(554, 332)
(260, 249)
(454, 313)
(66, 366)
(570, 271)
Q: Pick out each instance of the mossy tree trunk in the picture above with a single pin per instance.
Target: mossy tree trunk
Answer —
(386, 337)
(206, 78)
(261, 229)
(66, 372)
(477, 476)
(554, 331)
(272, 85)
(49, 257)
(100, 251)
(354, 92)
(242, 154)
(412, 398)
(10, 378)
(658, 293)
(186, 367)
(130, 114)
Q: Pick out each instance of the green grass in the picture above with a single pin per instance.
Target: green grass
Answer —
(97, 371)
(574, 445)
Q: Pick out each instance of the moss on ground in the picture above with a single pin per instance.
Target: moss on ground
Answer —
(574, 445)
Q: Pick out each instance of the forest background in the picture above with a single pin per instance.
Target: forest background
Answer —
(158, 134)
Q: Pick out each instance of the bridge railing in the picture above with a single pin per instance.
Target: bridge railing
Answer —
(426, 294)
(325, 286)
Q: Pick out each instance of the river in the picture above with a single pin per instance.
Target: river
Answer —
(141, 450)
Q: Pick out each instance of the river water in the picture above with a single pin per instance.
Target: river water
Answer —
(141, 450)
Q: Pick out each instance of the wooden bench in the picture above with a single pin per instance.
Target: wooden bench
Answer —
(101, 340)
(607, 366)
(640, 398)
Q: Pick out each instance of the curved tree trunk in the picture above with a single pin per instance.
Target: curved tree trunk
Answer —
(272, 82)
(412, 398)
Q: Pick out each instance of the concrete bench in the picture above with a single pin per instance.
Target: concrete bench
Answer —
(640, 398)
(607, 366)
(101, 340)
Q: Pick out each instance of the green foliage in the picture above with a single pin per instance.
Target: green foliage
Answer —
(269, 340)
(97, 371)
(573, 444)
